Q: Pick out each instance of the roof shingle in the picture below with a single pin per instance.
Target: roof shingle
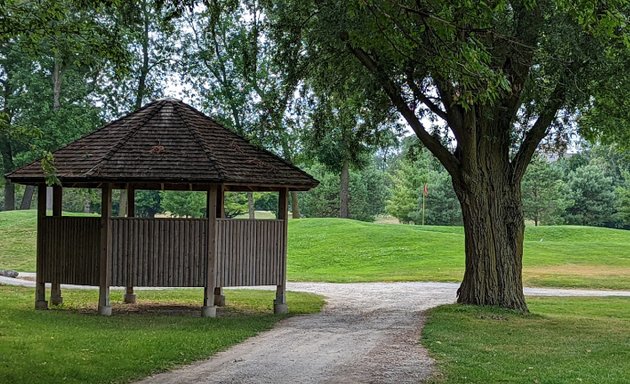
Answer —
(167, 141)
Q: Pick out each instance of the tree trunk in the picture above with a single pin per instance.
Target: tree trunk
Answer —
(27, 198)
(6, 150)
(295, 207)
(144, 70)
(494, 231)
(8, 166)
(122, 203)
(250, 205)
(344, 191)
(57, 76)
(9, 196)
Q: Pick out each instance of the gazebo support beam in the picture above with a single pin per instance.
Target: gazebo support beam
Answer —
(105, 262)
(209, 308)
(57, 200)
(40, 284)
(219, 297)
(130, 296)
(280, 303)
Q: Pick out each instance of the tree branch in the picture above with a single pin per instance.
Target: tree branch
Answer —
(538, 132)
(392, 90)
(419, 95)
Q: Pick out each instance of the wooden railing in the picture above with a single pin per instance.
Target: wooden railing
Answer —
(70, 247)
(250, 252)
(164, 252)
(159, 252)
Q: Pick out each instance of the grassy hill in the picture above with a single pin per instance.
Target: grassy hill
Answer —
(346, 251)
(349, 251)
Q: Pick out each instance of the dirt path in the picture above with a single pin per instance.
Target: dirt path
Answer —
(367, 333)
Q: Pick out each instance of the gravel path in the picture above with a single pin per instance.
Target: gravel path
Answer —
(367, 333)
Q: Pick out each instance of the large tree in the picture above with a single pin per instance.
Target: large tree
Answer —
(481, 84)
(51, 53)
(246, 77)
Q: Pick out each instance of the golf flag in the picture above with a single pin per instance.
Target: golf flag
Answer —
(425, 192)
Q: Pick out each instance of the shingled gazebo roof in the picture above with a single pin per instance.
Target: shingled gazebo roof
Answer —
(168, 143)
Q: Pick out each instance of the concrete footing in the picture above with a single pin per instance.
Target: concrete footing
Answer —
(41, 304)
(209, 311)
(280, 309)
(56, 300)
(105, 310)
(219, 300)
(130, 298)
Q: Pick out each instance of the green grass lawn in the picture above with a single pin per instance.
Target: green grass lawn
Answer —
(74, 345)
(351, 251)
(563, 340)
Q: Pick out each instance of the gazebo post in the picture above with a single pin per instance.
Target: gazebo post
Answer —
(105, 258)
(280, 303)
(40, 284)
(130, 296)
(57, 200)
(219, 297)
(209, 308)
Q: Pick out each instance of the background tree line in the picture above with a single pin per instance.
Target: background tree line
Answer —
(482, 85)
(88, 65)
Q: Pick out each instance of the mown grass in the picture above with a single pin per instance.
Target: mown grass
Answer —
(563, 340)
(74, 345)
(339, 250)
(351, 251)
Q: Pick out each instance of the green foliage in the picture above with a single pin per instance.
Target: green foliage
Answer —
(70, 345)
(242, 74)
(81, 200)
(148, 203)
(563, 340)
(368, 191)
(322, 201)
(622, 194)
(544, 193)
(235, 204)
(592, 195)
(183, 203)
(266, 201)
(408, 182)
(442, 206)
(414, 169)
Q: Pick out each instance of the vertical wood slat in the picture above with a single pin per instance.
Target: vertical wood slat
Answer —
(159, 252)
(71, 249)
(250, 252)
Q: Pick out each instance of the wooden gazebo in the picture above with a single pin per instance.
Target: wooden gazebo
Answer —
(166, 145)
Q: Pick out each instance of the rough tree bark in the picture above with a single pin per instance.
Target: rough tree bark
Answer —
(57, 80)
(486, 171)
(144, 69)
(8, 166)
(494, 230)
(295, 206)
(5, 148)
(27, 198)
(344, 190)
(251, 209)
